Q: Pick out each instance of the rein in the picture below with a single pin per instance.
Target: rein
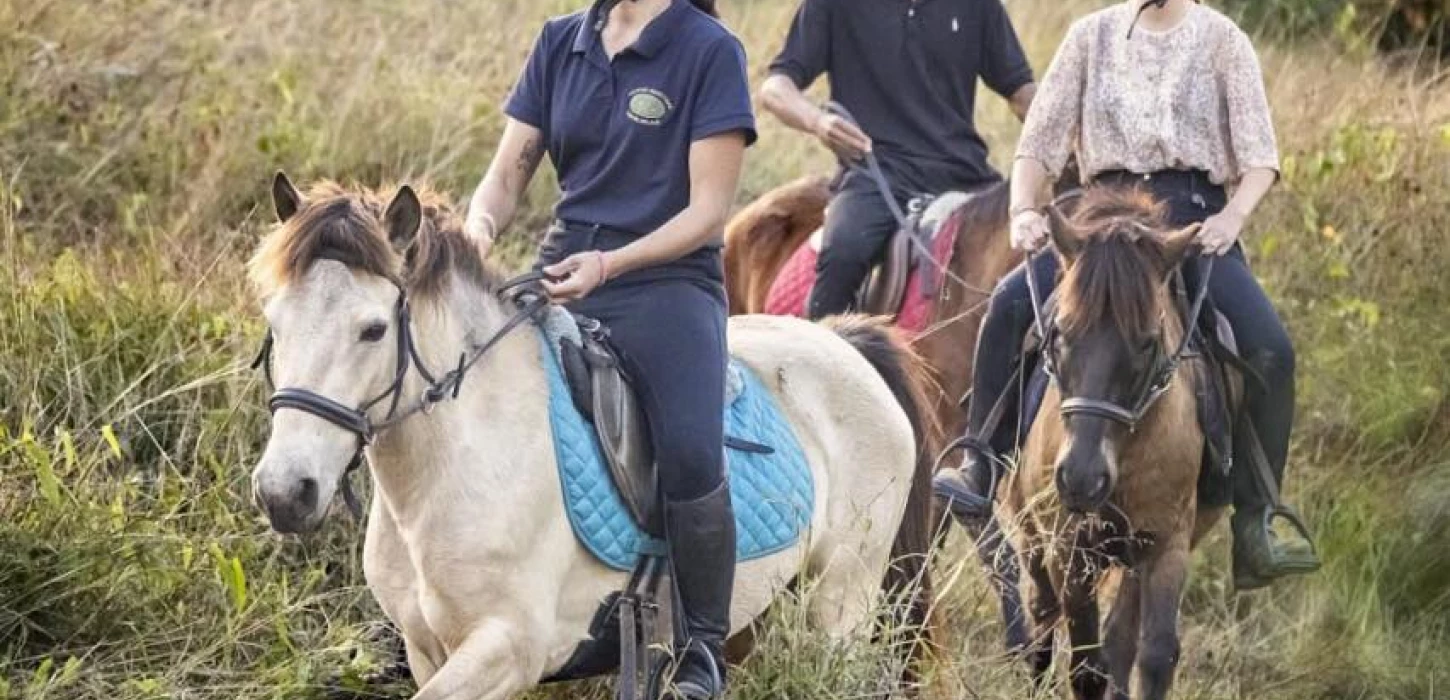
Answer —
(1165, 366)
(872, 170)
(439, 389)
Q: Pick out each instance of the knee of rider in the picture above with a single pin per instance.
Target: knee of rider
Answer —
(1005, 308)
(1275, 361)
(688, 469)
(844, 254)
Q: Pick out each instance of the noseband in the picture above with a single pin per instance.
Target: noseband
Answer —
(1165, 366)
(357, 420)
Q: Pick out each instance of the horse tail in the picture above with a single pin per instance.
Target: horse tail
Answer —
(907, 581)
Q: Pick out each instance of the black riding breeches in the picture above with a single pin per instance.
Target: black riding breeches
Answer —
(858, 225)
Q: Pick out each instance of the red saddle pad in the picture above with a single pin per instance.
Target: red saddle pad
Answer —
(791, 289)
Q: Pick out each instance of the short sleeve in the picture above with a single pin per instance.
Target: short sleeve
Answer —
(807, 50)
(1252, 143)
(1004, 65)
(529, 102)
(722, 94)
(1055, 119)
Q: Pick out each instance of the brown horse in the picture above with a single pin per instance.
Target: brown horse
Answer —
(1109, 475)
(762, 237)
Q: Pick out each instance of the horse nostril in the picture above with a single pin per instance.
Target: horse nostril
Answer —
(307, 493)
(1101, 489)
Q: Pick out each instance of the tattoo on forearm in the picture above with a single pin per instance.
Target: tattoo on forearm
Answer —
(529, 157)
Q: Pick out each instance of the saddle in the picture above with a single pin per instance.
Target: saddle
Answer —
(600, 390)
(883, 292)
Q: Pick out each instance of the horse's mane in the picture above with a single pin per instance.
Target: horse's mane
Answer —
(986, 211)
(345, 225)
(1113, 275)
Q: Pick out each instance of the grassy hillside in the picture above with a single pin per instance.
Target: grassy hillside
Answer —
(136, 139)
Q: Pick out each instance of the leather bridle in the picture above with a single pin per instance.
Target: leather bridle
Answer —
(1155, 384)
(358, 421)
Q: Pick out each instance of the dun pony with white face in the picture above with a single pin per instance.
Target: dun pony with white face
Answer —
(468, 546)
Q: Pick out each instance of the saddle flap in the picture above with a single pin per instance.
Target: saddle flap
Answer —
(601, 392)
(885, 288)
(624, 437)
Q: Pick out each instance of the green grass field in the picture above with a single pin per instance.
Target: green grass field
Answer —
(136, 141)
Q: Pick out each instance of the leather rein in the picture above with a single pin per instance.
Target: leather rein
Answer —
(440, 388)
(870, 166)
(1157, 382)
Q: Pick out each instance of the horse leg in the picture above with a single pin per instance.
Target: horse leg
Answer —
(1120, 643)
(840, 602)
(487, 666)
(1043, 607)
(1004, 572)
(1089, 677)
(394, 583)
(420, 663)
(1162, 590)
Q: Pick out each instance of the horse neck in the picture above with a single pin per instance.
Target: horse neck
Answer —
(467, 450)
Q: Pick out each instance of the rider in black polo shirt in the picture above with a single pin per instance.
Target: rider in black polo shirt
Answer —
(907, 70)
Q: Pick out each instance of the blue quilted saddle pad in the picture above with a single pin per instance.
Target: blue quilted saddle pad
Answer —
(773, 494)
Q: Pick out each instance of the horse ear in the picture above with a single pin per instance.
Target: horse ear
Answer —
(1065, 238)
(403, 217)
(285, 197)
(1178, 244)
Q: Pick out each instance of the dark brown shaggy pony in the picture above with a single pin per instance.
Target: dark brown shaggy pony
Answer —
(1092, 493)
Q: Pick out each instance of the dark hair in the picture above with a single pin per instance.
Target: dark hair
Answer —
(707, 7)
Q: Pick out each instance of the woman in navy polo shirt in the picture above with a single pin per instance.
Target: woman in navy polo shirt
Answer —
(644, 109)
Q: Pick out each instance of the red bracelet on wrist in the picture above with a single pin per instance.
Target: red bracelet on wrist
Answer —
(603, 267)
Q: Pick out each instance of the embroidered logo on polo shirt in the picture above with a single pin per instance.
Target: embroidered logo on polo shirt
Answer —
(649, 106)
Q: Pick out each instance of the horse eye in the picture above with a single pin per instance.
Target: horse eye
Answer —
(373, 333)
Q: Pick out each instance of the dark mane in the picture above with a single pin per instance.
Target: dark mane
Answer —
(346, 225)
(1113, 277)
(986, 211)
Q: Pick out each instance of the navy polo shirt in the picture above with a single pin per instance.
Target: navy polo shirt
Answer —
(619, 132)
(908, 70)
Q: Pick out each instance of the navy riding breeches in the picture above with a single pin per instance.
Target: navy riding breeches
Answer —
(667, 324)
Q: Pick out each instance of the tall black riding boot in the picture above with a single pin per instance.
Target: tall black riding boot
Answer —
(701, 537)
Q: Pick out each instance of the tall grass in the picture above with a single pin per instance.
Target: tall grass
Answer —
(136, 137)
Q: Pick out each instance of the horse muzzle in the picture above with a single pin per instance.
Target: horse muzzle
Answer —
(293, 505)
(1084, 488)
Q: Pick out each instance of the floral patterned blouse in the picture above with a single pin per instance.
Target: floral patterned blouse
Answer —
(1191, 97)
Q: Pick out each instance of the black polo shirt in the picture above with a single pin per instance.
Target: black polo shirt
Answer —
(907, 70)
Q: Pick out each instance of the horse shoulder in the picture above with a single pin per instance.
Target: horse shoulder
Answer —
(1158, 488)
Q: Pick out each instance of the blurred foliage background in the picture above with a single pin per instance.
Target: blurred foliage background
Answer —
(136, 141)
